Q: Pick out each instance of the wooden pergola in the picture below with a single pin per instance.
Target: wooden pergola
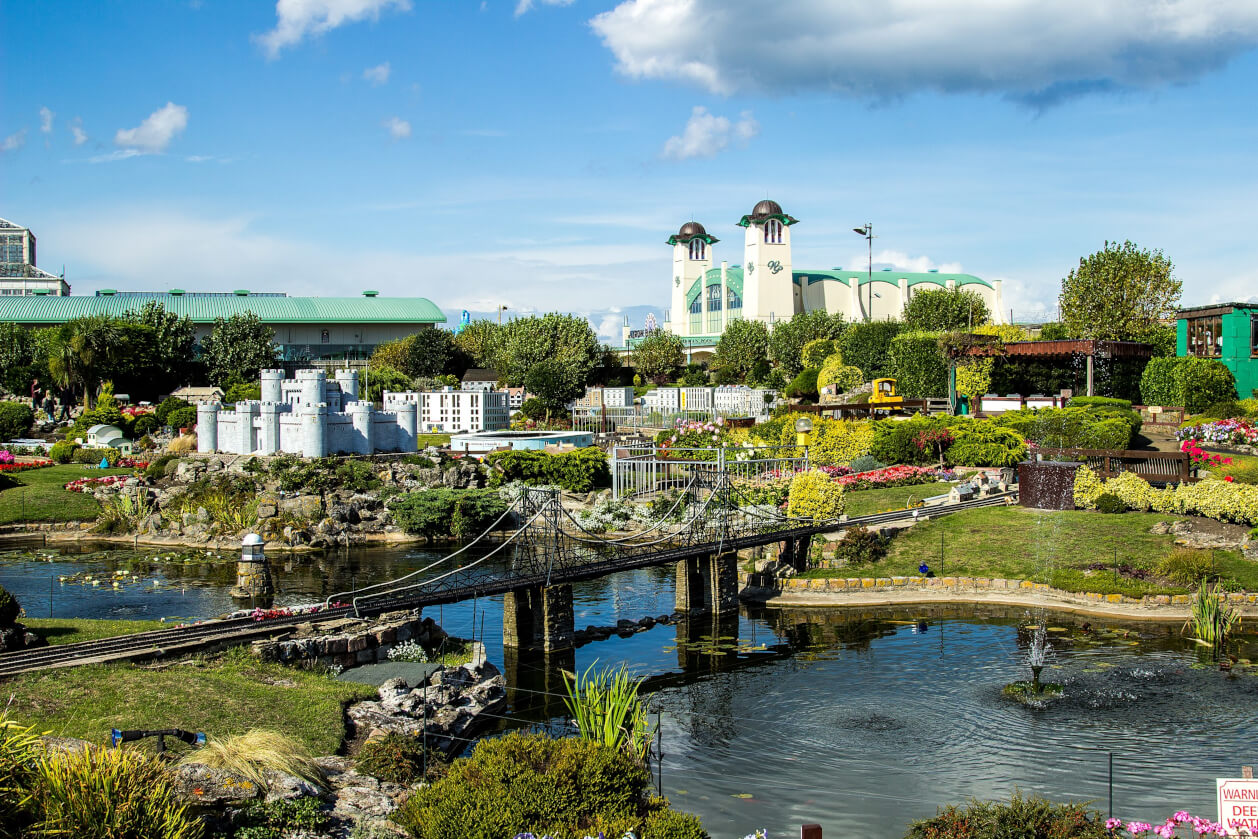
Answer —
(1089, 349)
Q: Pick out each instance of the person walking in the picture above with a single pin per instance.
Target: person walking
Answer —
(50, 406)
(67, 402)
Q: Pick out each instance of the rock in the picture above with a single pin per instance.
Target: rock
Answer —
(284, 787)
(267, 511)
(32, 641)
(66, 745)
(207, 786)
(202, 516)
(1250, 547)
(1181, 528)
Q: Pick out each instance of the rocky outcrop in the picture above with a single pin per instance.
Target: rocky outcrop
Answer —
(349, 642)
(448, 708)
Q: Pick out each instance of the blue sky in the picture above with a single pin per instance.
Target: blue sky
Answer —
(538, 154)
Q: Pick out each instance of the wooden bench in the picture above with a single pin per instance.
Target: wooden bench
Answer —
(1154, 467)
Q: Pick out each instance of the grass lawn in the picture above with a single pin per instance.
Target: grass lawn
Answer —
(438, 440)
(869, 501)
(223, 696)
(40, 495)
(1048, 547)
(73, 630)
(1244, 470)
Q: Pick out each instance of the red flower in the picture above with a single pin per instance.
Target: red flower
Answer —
(1227, 478)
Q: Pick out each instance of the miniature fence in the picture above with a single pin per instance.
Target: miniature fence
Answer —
(646, 469)
(609, 420)
(1154, 467)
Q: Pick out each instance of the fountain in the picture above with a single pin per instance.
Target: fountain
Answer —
(1036, 657)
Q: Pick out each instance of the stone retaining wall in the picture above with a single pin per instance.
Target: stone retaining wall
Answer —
(349, 642)
(987, 585)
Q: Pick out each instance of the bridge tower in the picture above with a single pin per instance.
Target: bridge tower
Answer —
(538, 615)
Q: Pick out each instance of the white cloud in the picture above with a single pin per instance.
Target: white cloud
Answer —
(377, 75)
(45, 120)
(525, 6)
(608, 328)
(76, 128)
(901, 261)
(155, 133)
(1027, 49)
(295, 19)
(110, 157)
(707, 134)
(399, 129)
(14, 141)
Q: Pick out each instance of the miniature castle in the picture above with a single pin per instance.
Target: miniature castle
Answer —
(309, 416)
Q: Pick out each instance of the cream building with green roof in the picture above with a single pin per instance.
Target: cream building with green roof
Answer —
(768, 287)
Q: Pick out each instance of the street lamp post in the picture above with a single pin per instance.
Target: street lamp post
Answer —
(502, 307)
(868, 232)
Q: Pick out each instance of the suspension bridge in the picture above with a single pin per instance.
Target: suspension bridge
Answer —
(709, 522)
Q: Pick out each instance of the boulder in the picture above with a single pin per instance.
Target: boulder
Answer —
(207, 786)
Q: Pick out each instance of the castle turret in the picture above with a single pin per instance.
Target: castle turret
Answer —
(348, 380)
(314, 430)
(269, 431)
(768, 281)
(692, 257)
(312, 382)
(245, 414)
(360, 416)
(408, 427)
(272, 385)
(207, 427)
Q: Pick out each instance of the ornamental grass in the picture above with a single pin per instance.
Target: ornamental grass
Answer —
(252, 754)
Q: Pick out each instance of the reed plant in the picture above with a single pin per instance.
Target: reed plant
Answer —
(101, 793)
(251, 755)
(1211, 618)
(20, 749)
(607, 710)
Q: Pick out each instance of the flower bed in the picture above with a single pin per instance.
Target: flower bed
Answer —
(1213, 499)
(889, 476)
(1192, 826)
(1234, 432)
(85, 484)
(9, 463)
(689, 434)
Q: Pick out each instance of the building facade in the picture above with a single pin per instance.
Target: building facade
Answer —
(767, 286)
(448, 410)
(596, 398)
(1227, 332)
(306, 329)
(19, 276)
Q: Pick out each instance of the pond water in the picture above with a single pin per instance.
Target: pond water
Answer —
(853, 718)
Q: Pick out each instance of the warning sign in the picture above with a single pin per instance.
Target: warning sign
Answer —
(1238, 806)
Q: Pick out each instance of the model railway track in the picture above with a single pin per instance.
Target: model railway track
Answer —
(167, 643)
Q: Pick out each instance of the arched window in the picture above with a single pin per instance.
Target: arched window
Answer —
(773, 232)
(714, 298)
(697, 305)
(732, 300)
(698, 248)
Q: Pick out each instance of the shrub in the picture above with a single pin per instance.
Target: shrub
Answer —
(168, 405)
(1099, 402)
(566, 788)
(93, 456)
(108, 794)
(860, 545)
(663, 823)
(145, 424)
(1025, 818)
(817, 351)
(918, 365)
(183, 444)
(986, 444)
(974, 379)
(1108, 502)
(894, 439)
(804, 386)
(837, 442)
(1189, 382)
(1074, 428)
(867, 345)
(1226, 409)
(1187, 566)
(581, 470)
(1131, 489)
(62, 452)
(182, 418)
(15, 420)
(842, 377)
(867, 463)
(452, 513)
(395, 757)
(1087, 488)
(157, 468)
(278, 819)
(533, 409)
(813, 495)
(9, 607)
(19, 750)
(251, 754)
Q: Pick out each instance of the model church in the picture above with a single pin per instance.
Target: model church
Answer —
(769, 287)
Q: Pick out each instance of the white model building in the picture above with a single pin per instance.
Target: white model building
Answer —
(449, 410)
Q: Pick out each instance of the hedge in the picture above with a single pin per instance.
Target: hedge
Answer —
(814, 495)
(581, 470)
(918, 365)
(441, 512)
(1188, 383)
(834, 372)
(1071, 428)
(868, 346)
(15, 419)
(975, 442)
(804, 386)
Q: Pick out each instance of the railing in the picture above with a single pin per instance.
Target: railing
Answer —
(609, 420)
(1154, 467)
(641, 470)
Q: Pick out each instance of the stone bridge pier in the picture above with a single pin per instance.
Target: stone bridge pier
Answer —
(708, 584)
(538, 619)
(794, 552)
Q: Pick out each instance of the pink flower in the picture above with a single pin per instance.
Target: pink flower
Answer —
(1181, 816)
(1111, 823)
(1138, 827)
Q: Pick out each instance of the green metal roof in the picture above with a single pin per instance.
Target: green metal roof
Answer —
(889, 277)
(54, 310)
(788, 220)
(733, 279)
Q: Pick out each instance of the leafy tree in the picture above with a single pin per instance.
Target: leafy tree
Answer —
(382, 378)
(430, 353)
(817, 351)
(565, 339)
(786, 345)
(479, 341)
(238, 348)
(1120, 293)
(945, 310)
(867, 345)
(80, 350)
(550, 383)
(1054, 331)
(173, 343)
(395, 354)
(17, 358)
(243, 392)
(743, 344)
(658, 356)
